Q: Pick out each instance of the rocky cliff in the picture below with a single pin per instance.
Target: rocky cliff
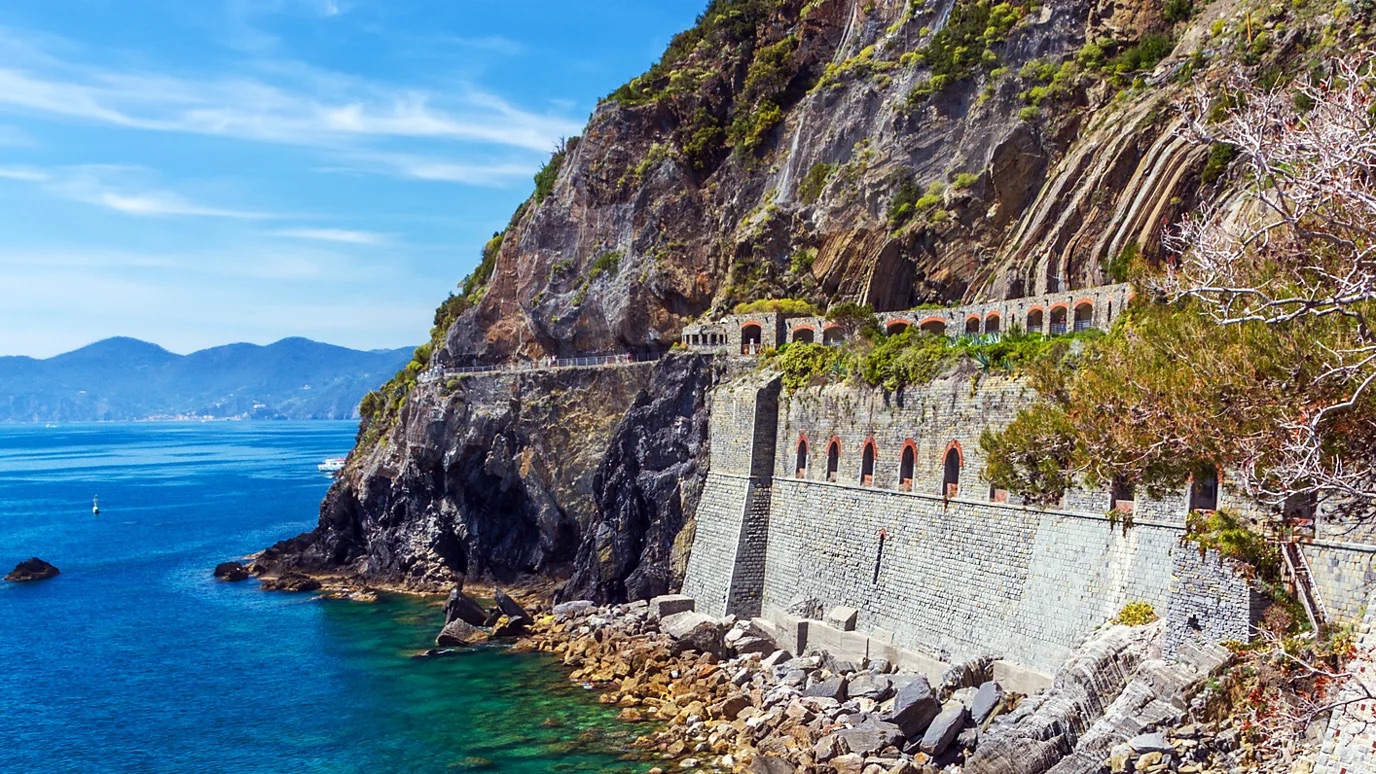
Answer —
(889, 152)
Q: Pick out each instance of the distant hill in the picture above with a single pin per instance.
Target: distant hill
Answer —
(123, 378)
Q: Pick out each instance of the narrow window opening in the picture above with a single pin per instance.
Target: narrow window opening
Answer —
(950, 479)
(833, 460)
(905, 469)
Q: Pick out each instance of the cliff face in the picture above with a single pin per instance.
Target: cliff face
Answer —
(889, 152)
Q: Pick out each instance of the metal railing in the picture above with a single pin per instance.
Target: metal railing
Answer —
(543, 364)
(1298, 569)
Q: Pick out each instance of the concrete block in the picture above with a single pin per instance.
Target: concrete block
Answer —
(669, 604)
(843, 618)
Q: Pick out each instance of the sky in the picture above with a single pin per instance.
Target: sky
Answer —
(201, 172)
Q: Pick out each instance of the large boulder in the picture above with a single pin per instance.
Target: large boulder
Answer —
(693, 631)
(231, 571)
(986, 700)
(866, 685)
(666, 605)
(510, 607)
(835, 688)
(914, 707)
(459, 634)
(870, 737)
(943, 730)
(460, 606)
(34, 569)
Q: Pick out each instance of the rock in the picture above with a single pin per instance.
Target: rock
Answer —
(692, 631)
(510, 607)
(506, 626)
(968, 739)
(776, 658)
(943, 730)
(870, 737)
(292, 582)
(231, 571)
(986, 700)
(869, 686)
(1119, 758)
(843, 618)
(850, 763)
(769, 764)
(1148, 743)
(881, 666)
(666, 605)
(914, 707)
(732, 706)
(34, 569)
(747, 645)
(458, 633)
(461, 606)
(434, 653)
(574, 609)
(834, 688)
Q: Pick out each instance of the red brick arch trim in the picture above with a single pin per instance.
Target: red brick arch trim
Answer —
(1060, 305)
(909, 444)
(749, 323)
(833, 327)
(1037, 308)
(993, 316)
(897, 321)
(802, 442)
(797, 328)
(960, 453)
(836, 442)
(932, 319)
(1084, 302)
(872, 446)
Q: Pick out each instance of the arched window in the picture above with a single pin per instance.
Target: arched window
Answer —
(991, 323)
(972, 325)
(1121, 495)
(1058, 320)
(934, 325)
(751, 336)
(950, 475)
(867, 464)
(905, 467)
(833, 336)
(833, 459)
(1204, 490)
(896, 327)
(803, 334)
(1036, 321)
(1084, 316)
(801, 467)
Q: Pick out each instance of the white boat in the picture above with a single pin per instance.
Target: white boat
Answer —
(331, 465)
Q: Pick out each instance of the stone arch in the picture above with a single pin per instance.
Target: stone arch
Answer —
(833, 458)
(992, 323)
(801, 467)
(972, 325)
(804, 334)
(867, 458)
(951, 463)
(897, 326)
(1059, 313)
(833, 335)
(907, 465)
(1036, 320)
(1084, 314)
(752, 334)
(1204, 485)
(934, 325)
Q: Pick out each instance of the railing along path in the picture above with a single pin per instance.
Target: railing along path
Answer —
(543, 364)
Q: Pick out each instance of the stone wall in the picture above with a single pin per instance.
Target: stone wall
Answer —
(1349, 747)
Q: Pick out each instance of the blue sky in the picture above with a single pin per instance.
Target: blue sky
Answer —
(198, 172)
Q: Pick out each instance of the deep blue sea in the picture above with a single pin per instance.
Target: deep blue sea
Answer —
(135, 659)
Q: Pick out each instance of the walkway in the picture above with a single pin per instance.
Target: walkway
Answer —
(544, 364)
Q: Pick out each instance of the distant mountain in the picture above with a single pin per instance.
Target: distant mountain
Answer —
(123, 378)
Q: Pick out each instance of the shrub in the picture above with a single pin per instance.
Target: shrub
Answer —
(1220, 156)
(1030, 113)
(796, 306)
(751, 128)
(1178, 10)
(1143, 56)
(964, 180)
(815, 182)
(1136, 614)
(549, 172)
(801, 262)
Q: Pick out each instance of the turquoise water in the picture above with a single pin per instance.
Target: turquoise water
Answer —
(135, 660)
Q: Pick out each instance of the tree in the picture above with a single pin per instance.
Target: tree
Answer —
(1298, 252)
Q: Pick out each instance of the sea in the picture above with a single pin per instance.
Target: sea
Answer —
(135, 659)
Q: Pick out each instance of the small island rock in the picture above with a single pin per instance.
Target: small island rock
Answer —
(292, 581)
(32, 570)
(231, 571)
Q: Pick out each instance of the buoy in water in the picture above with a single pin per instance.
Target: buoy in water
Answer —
(95, 506)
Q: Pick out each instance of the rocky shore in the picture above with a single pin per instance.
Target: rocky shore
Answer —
(721, 696)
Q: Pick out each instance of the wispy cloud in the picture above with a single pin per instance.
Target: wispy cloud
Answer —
(309, 108)
(122, 189)
(337, 235)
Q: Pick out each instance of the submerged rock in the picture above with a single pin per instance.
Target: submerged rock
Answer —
(459, 634)
(231, 571)
(292, 581)
(32, 570)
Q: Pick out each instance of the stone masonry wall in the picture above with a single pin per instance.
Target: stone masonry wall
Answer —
(1349, 747)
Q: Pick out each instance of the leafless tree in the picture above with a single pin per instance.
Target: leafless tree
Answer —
(1296, 245)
